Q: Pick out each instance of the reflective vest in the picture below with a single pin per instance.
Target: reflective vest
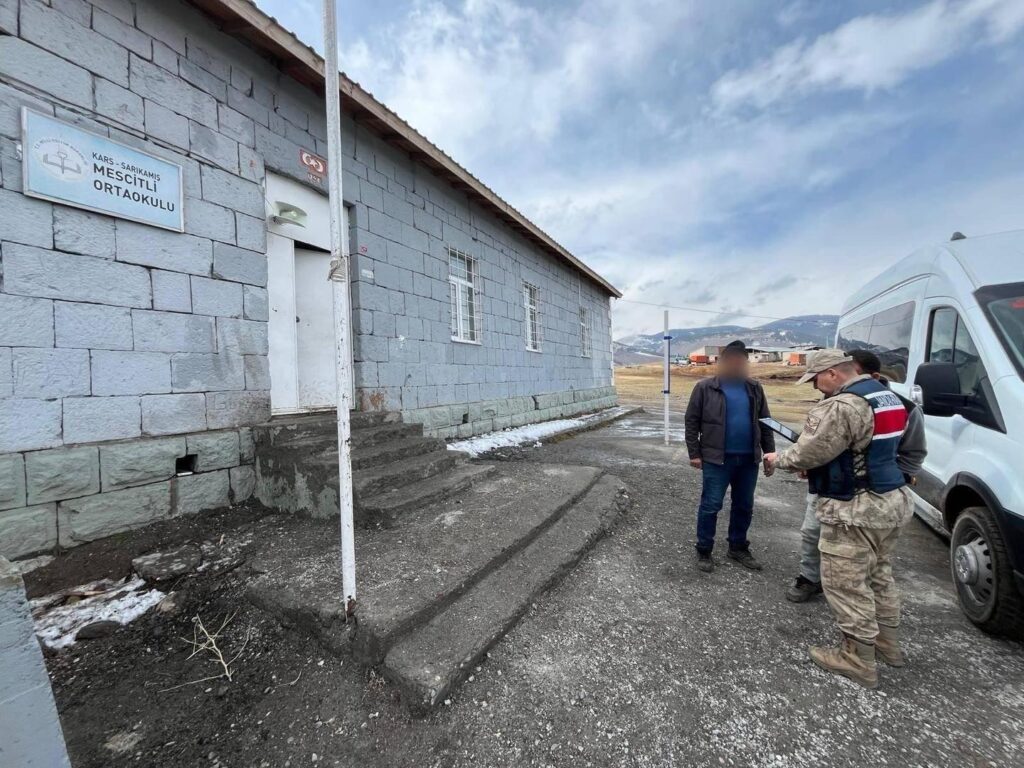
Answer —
(874, 468)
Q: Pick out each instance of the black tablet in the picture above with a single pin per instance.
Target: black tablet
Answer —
(777, 426)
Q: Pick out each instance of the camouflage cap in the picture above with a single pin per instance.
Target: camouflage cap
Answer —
(821, 360)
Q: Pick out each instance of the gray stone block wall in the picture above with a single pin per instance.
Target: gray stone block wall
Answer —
(115, 331)
(62, 497)
(111, 329)
(404, 220)
(477, 418)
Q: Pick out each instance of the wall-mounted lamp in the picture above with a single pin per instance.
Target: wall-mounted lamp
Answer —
(286, 213)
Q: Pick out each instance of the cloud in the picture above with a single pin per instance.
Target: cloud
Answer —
(491, 73)
(870, 53)
(673, 147)
(767, 289)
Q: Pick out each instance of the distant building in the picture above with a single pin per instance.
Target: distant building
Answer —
(705, 355)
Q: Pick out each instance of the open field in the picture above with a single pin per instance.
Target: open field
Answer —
(642, 384)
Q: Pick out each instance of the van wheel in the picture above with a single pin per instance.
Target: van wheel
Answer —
(983, 576)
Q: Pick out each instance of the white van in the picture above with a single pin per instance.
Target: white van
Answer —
(948, 325)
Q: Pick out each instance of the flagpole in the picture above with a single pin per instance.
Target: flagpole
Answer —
(342, 311)
(667, 346)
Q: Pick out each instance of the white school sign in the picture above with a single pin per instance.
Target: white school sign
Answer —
(65, 164)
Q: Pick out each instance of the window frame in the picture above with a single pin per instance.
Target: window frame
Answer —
(958, 324)
(908, 311)
(531, 319)
(985, 297)
(465, 330)
(586, 333)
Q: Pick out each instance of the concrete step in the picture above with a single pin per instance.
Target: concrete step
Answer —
(369, 483)
(409, 575)
(362, 419)
(429, 661)
(385, 509)
(311, 428)
(382, 433)
(371, 456)
(310, 444)
(442, 549)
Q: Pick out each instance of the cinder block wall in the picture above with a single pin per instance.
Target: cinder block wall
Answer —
(405, 220)
(124, 347)
(118, 339)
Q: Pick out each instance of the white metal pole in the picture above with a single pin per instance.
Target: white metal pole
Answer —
(668, 373)
(342, 314)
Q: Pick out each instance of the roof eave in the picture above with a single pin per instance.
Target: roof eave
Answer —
(241, 18)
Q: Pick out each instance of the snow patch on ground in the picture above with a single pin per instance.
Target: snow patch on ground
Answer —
(59, 617)
(531, 433)
(641, 427)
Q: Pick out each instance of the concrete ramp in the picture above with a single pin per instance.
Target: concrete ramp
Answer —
(440, 588)
(432, 658)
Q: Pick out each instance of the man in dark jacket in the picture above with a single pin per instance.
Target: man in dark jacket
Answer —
(726, 442)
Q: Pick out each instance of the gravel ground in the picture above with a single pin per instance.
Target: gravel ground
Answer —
(636, 659)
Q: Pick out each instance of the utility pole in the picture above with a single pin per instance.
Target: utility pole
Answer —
(667, 343)
(342, 312)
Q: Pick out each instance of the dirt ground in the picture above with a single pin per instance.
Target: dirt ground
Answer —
(636, 659)
(642, 385)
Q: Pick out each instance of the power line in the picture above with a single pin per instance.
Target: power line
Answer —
(705, 311)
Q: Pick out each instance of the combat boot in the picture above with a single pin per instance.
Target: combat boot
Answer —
(887, 646)
(853, 659)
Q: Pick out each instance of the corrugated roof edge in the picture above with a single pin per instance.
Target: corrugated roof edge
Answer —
(242, 18)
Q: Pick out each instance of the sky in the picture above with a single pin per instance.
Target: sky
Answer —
(749, 159)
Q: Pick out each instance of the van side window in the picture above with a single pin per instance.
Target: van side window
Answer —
(949, 341)
(887, 334)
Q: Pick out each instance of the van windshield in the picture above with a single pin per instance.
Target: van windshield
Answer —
(1004, 306)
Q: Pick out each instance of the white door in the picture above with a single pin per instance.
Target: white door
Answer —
(314, 330)
(948, 341)
(283, 351)
(301, 326)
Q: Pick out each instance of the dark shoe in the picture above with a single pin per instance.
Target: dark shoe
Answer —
(705, 562)
(744, 558)
(803, 590)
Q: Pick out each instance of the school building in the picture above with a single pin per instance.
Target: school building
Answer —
(163, 243)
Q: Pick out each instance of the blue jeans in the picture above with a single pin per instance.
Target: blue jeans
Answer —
(740, 473)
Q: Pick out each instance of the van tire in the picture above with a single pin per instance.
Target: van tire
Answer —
(1001, 612)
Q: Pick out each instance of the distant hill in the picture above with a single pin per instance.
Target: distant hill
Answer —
(802, 329)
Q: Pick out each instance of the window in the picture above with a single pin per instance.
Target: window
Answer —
(1004, 307)
(531, 303)
(464, 285)
(950, 342)
(887, 334)
(585, 344)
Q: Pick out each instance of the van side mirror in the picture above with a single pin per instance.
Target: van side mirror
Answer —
(940, 389)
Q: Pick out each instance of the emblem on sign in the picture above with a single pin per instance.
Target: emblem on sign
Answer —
(60, 158)
(316, 166)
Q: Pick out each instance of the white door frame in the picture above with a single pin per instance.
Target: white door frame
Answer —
(282, 240)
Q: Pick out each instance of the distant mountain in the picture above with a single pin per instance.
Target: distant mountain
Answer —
(803, 329)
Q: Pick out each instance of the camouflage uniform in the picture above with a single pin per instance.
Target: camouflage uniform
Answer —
(858, 537)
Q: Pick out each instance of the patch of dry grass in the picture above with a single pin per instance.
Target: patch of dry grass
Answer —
(642, 384)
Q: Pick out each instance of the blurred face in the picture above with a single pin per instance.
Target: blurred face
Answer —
(733, 366)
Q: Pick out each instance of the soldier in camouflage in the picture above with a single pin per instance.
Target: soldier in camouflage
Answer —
(848, 449)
